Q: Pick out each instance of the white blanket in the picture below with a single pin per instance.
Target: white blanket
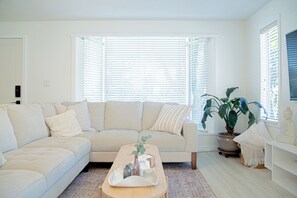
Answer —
(252, 143)
(253, 155)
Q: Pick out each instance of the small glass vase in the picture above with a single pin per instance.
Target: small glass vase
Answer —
(136, 167)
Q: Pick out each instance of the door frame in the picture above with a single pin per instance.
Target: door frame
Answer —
(24, 63)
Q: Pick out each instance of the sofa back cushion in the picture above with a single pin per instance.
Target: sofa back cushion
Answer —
(96, 111)
(7, 138)
(82, 113)
(123, 115)
(28, 123)
(151, 111)
(48, 109)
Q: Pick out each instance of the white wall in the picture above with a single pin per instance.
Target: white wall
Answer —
(285, 11)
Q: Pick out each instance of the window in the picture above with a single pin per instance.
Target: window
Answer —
(270, 71)
(165, 69)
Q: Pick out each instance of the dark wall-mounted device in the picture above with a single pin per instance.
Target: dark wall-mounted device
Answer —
(291, 39)
(18, 91)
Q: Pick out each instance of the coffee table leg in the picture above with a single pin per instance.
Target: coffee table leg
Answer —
(166, 195)
(100, 191)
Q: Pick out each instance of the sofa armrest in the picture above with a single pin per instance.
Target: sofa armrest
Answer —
(191, 136)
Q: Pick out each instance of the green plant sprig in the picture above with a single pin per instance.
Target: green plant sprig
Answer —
(140, 145)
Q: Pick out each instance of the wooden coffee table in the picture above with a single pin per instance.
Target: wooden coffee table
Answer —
(124, 157)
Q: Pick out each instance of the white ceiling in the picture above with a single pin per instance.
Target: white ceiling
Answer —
(48, 10)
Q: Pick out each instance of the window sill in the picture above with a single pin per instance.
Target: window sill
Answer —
(271, 123)
(205, 133)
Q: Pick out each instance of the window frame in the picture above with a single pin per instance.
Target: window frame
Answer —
(275, 22)
(75, 96)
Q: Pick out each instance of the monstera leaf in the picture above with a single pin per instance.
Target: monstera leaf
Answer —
(229, 91)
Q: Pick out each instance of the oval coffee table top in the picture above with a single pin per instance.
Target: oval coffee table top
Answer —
(124, 157)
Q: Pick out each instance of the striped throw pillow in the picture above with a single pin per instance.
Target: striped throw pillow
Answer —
(171, 118)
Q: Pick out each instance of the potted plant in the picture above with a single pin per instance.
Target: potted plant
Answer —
(228, 109)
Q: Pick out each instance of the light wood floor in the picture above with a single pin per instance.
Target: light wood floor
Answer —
(228, 178)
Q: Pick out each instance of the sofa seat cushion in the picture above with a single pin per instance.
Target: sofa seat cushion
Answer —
(21, 183)
(53, 163)
(88, 134)
(77, 145)
(166, 142)
(112, 140)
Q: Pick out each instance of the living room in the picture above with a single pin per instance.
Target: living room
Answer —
(52, 42)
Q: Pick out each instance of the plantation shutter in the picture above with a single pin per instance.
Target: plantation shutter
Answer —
(92, 77)
(270, 71)
(146, 69)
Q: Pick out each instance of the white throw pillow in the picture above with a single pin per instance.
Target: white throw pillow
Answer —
(82, 113)
(7, 137)
(64, 124)
(2, 159)
(171, 118)
(251, 136)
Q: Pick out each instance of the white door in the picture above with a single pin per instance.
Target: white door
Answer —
(10, 70)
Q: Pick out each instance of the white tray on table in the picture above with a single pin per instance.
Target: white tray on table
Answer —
(149, 178)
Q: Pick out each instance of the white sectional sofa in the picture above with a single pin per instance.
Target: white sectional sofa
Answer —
(42, 166)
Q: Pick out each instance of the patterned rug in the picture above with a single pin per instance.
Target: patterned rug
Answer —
(183, 182)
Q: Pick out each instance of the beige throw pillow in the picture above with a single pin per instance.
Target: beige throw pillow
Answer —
(171, 118)
(2, 159)
(82, 113)
(64, 124)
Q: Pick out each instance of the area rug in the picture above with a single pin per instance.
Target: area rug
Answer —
(183, 182)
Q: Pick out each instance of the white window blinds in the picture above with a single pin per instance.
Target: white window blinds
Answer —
(164, 69)
(92, 74)
(198, 78)
(146, 68)
(270, 71)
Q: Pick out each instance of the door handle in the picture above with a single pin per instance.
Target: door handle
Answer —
(17, 102)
